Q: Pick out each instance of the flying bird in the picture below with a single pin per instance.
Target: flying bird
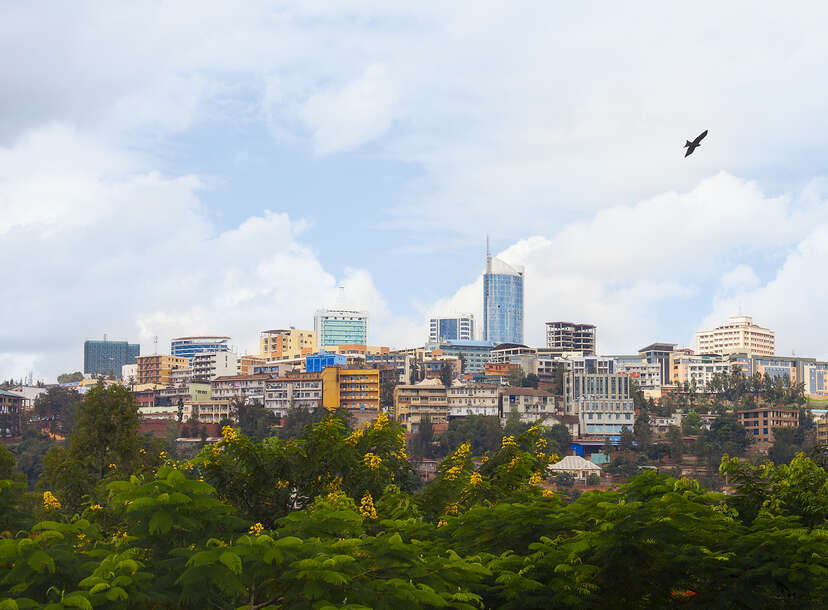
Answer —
(691, 146)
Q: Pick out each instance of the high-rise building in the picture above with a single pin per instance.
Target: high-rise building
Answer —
(502, 302)
(286, 343)
(571, 337)
(451, 328)
(187, 347)
(739, 335)
(158, 368)
(340, 327)
(108, 357)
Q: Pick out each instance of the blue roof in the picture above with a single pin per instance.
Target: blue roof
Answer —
(12, 394)
(467, 343)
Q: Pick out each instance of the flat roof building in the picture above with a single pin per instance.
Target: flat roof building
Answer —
(565, 337)
(108, 357)
(340, 326)
(738, 335)
(451, 328)
(187, 347)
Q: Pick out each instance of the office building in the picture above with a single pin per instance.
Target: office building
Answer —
(530, 404)
(451, 328)
(760, 423)
(659, 353)
(647, 375)
(158, 369)
(316, 363)
(286, 343)
(354, 389)
(563, 337)
(206, 366)
(738, 335)
(502, 302)
(187, 347)
(340, 326)
(475, 354)
(108, 357)
(601, 401)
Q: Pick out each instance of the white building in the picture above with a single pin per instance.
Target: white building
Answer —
(340, 327)
(129, 373)
(206, 366)
(299, 391)
(451, 328)
(602, 402)
(473, 399)
(575, 465)
(530, 404)
(646, 374)
(738, 336)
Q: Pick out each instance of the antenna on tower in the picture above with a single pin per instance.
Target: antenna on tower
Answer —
(155, 342)
(104, 337)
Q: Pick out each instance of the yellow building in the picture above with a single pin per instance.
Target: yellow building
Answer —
(738, 336)
(350, 388)
(286, 343)
(158, 368)
(414, 402)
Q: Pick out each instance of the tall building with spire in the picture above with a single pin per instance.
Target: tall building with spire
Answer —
(502, 301)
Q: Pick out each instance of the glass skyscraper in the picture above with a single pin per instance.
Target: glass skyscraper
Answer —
(187, 347)
(107, 357)
(502, 302)
(340, 327)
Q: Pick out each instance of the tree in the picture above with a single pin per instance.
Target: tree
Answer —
(57, 407)
(725, 437)
(641, 430)
(531, 381)
(516, 376)
(106, 430)
(446, 374)
(558, 437)
(180, 410)
(421, 443)
(255, 421)
(593, 478)
(299, 419)
(483, 432)
(565, 479)
(387, 393)
(691, 424)
(514, 426)
(462, 358)
(676, 442)
(627, 438)
(70, 377)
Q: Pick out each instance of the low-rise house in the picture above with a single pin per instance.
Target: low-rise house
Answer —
(575, 465)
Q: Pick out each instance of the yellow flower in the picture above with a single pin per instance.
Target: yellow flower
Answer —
(256, 529)
(452, 473)
(113, 467)
(476, 479)
(508, 441)
(96, 507)
(382, 421)
(229, 433)
(463, 450)
(547, 494)
(50, 502)
(451, 508)
(515, 461)
(532, 430)
(484, 459)
(353, 439)
(142, 451)
(366, 508)
(371, 460)
(535, 478)
(281, 483)
(163, 455)
(441, 523)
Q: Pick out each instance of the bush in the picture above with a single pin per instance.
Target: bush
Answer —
(593, 479)
(565, 479)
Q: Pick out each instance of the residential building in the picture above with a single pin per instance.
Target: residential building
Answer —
(589, 365)
(576, 466)
(647, 375)
(431, 367)
(189, 391)
(451, 328)
(601, 401)
(530, 404)
(761, 422)
(354, 389)
(514, 353)
(209, 411)
(400, 362)
(296, 390)
(249, 388)
(158, 368)
(129, 373)
(415, 402)
(465, 399)
(107, 357)
(696, 368)
(562, 337)
(816, 379)
(286, 343)
(475, 354)
(738, 335)
(206, 366)
(29, 393)
(659, 353)
(187, 347)
(502, 302)
(340, 326)
(11, 408)
(248, 364)
(821, 430)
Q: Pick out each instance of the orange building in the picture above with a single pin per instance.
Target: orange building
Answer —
(286, 343)
(158, 369)
(761, 422)
(350, 388)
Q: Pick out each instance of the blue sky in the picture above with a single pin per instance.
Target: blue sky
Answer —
(187, 168)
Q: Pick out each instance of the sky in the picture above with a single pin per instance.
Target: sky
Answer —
(189, 168)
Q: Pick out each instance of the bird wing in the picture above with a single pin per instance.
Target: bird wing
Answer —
(700, 137)
(690, 150)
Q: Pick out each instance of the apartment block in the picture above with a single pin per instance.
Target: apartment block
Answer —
(206, 366)
(738, 335)
(286, 343)
(415, 402)
(475, 353)
(565, 337)
(760, 423)
(602, 402)
(530, 404)
(158, 369)
(209, 411)
(646, 374)
(357, 389)
(246, 387)
(297, 390)
(465, 399)
(11, 407)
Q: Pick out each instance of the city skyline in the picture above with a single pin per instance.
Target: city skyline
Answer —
(171, 187)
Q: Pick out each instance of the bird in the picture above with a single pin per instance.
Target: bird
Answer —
(691, 146)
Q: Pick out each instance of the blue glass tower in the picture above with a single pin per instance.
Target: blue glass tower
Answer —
(502, 302)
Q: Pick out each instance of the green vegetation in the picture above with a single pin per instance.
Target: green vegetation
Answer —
(334, 518)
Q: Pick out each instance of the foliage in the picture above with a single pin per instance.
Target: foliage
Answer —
(691, 424)
(57, 407)
(531, 381)
(483, 432)
(593, 478)
(299, 420)
(70, 377)
(558, 437)
(254, 420)
(421, 443)
(725, 437)
(446, 374)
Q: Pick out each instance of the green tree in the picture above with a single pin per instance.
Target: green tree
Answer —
(641, 430)
(483, 432)
(298, 421)
(57, 407)
(627, 439)
(559, 438)
(691, 424)
(255, 421)
(531, 381)
(70, 377)
(446, 374)
(514, 426)
(421, 443)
